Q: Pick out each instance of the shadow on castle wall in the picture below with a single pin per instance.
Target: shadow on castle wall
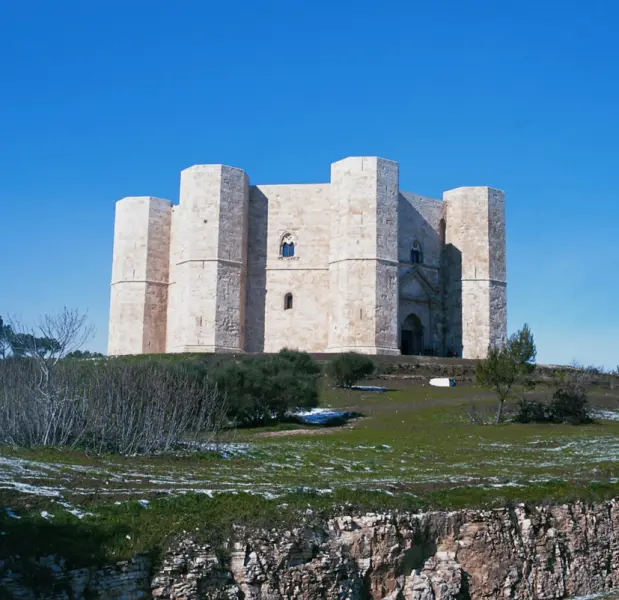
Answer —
(422, 220)
(451, 274)
(255, 304)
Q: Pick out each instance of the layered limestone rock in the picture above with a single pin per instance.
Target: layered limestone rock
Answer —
(547, 553)
(552, 552)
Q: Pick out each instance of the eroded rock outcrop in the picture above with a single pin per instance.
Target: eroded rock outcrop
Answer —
(549, 552)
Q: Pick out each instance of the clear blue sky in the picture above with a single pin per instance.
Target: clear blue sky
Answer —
(101, 100)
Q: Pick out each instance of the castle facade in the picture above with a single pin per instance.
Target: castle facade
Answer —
(352, 265)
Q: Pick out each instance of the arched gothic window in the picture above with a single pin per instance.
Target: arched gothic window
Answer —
(416, 253)
(288, 301)
(287, 246)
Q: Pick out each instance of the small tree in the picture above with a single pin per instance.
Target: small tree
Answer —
(347, 369)
(508, 366)
(51, 339)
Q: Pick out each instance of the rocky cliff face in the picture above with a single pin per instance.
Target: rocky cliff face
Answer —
(550, 552)
(547, 553)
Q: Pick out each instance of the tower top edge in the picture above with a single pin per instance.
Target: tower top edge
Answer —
(128, 199)
(475, 187)
(377, 158)
(212, 167)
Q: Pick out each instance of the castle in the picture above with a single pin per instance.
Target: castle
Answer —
(352, 265)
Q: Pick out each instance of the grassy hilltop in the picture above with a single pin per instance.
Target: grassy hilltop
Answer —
(413, 447)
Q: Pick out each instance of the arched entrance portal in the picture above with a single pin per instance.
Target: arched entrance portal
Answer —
(412, 335)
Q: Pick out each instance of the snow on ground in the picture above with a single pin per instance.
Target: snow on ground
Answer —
(322, 416)
(225, 449)
(605, 414)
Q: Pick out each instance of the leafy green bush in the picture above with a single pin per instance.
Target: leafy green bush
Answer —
(531, 411)
(347, 369)
(568, 404)
(260, 389)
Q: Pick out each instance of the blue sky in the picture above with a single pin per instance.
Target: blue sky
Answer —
(104, 100)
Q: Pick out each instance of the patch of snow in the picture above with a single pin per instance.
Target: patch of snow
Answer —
(76, 512)
(310, 412)
(321, 416)
(143, 503)
(46, 515)
(508, 484)
(11, 514)
(605, 414)
(26, 488)
(226, 450)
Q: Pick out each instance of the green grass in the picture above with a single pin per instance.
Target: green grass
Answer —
(116, 532)
(414, 449)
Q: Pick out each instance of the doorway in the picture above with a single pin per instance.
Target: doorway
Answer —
(412, 336)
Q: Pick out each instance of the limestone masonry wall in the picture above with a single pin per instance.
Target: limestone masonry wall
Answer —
(364, 226)
(139, 291)
(475, 229)
(302, 212)
(374, 269)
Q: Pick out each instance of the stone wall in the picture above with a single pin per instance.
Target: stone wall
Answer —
(475, 237)
(363, 256)
(139, 289)
(208, 274)
(210, 249)
(302, 212)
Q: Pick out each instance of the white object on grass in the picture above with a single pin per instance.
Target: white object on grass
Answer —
(442, 382)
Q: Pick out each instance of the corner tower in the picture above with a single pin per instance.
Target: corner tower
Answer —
(139, 292)
(209, 261)
(476, 299)
(363, 258)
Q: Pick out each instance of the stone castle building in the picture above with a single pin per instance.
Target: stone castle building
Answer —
(354, 264)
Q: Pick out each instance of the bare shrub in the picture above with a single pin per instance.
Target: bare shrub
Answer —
(103, 405)
(107, 406)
